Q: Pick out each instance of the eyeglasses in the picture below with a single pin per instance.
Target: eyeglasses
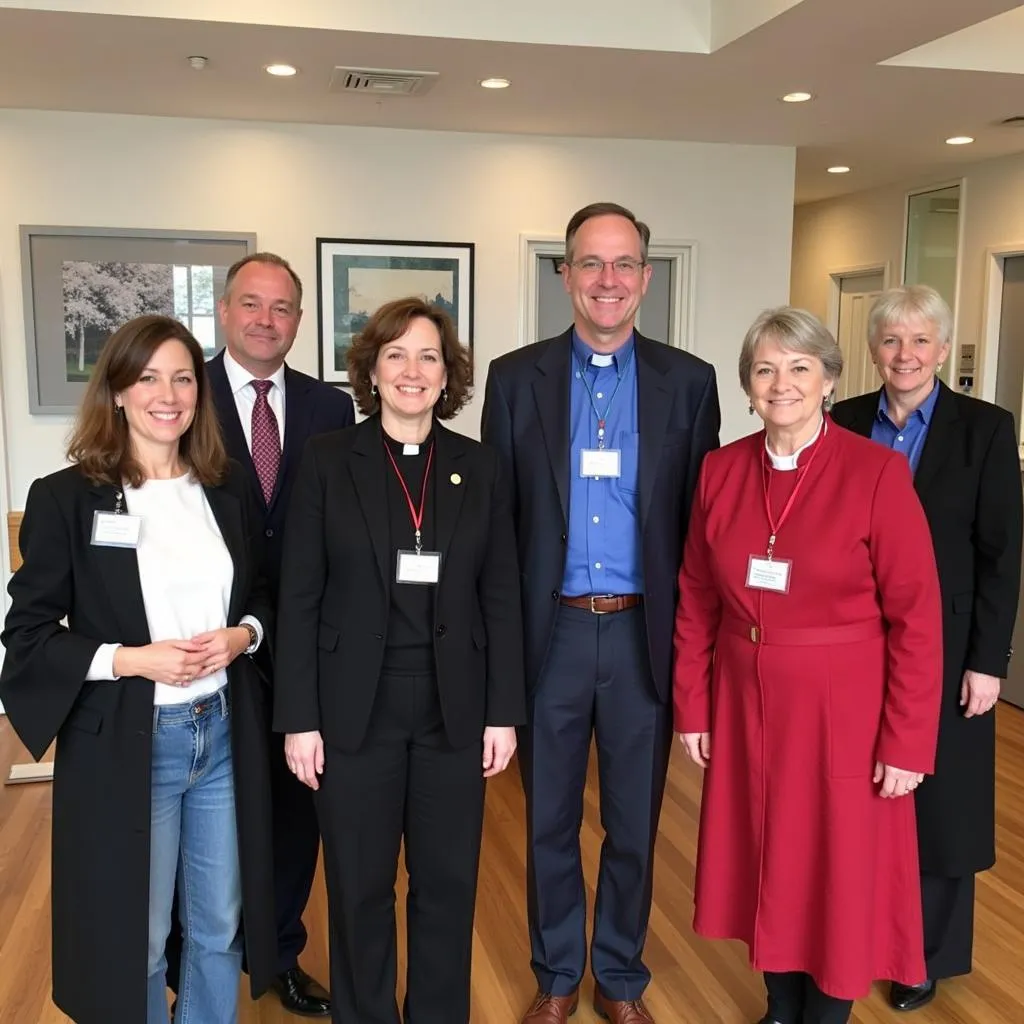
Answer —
(622, 268)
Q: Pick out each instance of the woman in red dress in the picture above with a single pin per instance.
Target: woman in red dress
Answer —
(807, 680)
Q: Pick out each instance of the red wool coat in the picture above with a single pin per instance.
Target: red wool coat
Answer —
(801, 693)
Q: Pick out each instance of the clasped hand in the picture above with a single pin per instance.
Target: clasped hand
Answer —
(179, 662)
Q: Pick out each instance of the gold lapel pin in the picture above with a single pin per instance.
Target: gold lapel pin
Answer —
(455, 479)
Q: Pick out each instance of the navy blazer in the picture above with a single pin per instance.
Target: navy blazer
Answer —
(311, 407)
(526, 418)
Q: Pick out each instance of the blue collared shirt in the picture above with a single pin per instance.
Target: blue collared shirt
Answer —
(603, 554)
(910, 440)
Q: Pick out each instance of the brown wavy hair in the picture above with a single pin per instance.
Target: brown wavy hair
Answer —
(390, 322)
(101, 443)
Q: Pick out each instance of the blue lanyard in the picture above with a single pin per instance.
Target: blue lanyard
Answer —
(601, 420)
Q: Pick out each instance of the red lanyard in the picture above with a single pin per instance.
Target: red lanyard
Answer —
(801, 477)
(417, 515)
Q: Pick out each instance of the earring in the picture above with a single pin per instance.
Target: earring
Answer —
(444, 394)
(938, 369)
(750, 408)
(828, 402)
(373, 390)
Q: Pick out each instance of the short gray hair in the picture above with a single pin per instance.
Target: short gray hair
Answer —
(795, 330)
(897, 304)
(269, 259)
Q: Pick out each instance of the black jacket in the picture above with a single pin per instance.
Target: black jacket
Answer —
(335, 590)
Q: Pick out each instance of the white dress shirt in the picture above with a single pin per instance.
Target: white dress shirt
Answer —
(240, 380)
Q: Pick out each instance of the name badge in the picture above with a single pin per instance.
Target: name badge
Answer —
(418, 567)
(769, 574)
(113, 530)
(600, 463)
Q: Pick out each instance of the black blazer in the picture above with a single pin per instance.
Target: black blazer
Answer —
(310, 407)
(104, 732)
(969, 483)
(526, 418)
(336, 580)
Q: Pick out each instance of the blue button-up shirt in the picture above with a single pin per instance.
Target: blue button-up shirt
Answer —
(910, 439)
(604, 533)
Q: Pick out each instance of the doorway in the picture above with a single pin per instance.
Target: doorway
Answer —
(853, 294)
(1010, 395)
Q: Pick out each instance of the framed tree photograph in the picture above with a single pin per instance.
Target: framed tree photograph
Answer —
(82, 284)
(355, 276)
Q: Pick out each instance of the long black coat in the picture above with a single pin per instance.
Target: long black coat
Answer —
(969, 483)
(104, 730)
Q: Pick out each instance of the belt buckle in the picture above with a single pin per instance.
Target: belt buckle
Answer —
(598, 597)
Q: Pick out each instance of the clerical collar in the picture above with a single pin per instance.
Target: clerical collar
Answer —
(788, 462)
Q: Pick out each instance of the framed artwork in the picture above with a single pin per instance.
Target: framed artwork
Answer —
(82, 284)
(355, 276)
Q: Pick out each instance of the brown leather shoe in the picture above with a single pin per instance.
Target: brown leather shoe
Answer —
(549, 1009)
(629, 1011)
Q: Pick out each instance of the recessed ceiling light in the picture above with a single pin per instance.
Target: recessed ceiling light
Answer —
(839, 169)
(959, 140)
(281, 70)
(495, 83)
(797, 97)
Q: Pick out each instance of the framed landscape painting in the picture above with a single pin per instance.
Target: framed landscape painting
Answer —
(82, 284)
(355, 276)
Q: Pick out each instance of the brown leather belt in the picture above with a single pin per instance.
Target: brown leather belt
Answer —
(602, 604)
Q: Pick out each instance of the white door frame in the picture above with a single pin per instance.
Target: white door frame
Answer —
(992, 317)
(681, 252)
(835, 287)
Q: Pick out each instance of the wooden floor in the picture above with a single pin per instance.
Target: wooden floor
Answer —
(695, 982)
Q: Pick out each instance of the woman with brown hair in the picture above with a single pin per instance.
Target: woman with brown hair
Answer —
(400, 664)
(136, 598)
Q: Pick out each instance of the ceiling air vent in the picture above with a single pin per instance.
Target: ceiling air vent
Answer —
(382, 81)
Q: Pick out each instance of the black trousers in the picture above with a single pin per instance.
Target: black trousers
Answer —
(596, 684)
(794, 998)
(296, 837)
(404, 782)
(947, 905)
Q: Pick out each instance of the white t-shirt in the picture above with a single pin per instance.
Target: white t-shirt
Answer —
(185, 571)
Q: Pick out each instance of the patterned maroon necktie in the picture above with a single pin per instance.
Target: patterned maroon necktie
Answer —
(266, 439)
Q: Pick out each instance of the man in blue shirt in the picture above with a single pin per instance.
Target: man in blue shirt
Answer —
(601, 432)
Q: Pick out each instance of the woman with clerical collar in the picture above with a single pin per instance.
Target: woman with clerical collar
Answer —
(400, 663)
(807, 682)
(963, 454)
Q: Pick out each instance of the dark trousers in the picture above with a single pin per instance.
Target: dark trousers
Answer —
(405, 781)
(596, 682)
(948, 908)
(794, 998)
(296, 848)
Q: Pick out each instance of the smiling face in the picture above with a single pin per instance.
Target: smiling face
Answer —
(160, 406)
(787, 388)
(260, 316)
(907, 354)
(605, 298)
(410, 372)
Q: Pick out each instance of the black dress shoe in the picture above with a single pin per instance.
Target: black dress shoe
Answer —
(912, 997)
(301, 995)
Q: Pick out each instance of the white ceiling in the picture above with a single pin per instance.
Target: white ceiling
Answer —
(885, 74)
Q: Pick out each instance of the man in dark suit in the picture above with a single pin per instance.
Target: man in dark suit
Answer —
(256, 395)
(602, 433)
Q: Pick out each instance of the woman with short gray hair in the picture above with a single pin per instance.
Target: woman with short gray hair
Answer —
(963, 453)
(807, 685)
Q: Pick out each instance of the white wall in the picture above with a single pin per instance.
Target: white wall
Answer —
(867, 227)
(292, 183)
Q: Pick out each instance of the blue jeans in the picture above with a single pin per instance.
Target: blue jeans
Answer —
(194, 840)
